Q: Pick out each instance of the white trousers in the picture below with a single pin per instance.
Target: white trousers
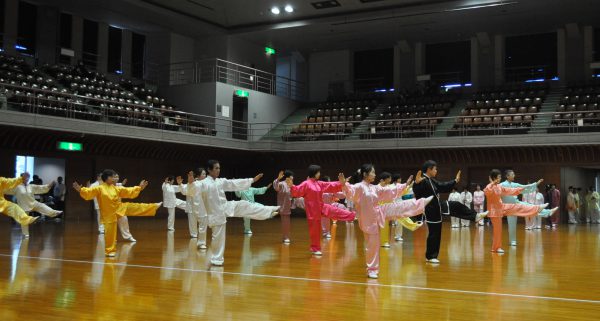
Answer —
(217, 245)
(100, 225)
(180, 204)
(44, 209)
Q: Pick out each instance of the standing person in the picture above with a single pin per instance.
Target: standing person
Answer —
(554, 201)
(248, 195)
(404, 222)
(426, 185)
(454, 197)
(512, 199)
(577, 191)
(170, 200)
(588, 205)
(122, 220)
(212, 191)
(59, 192)
(25, 194)
(594, 206)
(373, 216)
(466, 198)
(96, 206)
(534, 198)
(196, 212)
(385, 179)
(284, 201)
(494, 192)
(312, 190)
(109, 197)
(478, 201)
(571, 206)
(11, 209)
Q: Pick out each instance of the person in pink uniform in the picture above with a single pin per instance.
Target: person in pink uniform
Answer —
(372, 216)
(478, 201)
(284, 201)
(331, 204)
(497, 209)
(312, 191)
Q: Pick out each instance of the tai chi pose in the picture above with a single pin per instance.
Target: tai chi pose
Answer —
(312, 190)
(248, 195)
(11, 209)
(373, 216)
(478, 201)
(284, 201)
(494, 193)
(196, 212)
(426, 185)
(170, 200)
(109, 196)
(212, 192)
(25, 194)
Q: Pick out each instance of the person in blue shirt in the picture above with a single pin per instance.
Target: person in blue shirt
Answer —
(248, 195)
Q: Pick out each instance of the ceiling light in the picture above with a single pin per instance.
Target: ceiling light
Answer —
(289, 9)
(275, 10)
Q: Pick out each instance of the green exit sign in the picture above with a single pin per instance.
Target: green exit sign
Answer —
(70, 146)
(269, 51)
(242, 93)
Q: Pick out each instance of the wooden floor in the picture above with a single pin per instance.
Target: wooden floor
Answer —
(60, 273)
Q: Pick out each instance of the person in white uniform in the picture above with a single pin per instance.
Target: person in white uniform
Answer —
(455, 197)
(170, 200)
(197, 220)
(218, 208)
(466, 198)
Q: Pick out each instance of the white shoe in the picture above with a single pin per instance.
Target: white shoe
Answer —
(171, 229)
(372, 275)
(101, 231)
(327, 236)
(55, 214)
(26, 236)
(287, 241)
(480, 223)
(398, 239)
(113, 254)
(215, 263)
(543, 206)
(202, 247)
(433, 261)
(480, 216)
(528, 228)
(455, 226)
(317, 253)
(513, 243)
(499, 251)
(274, 214)
(131, 239)
(386, 245)
(159, 204)
(248, 232)
(193, 236)
(538, 227)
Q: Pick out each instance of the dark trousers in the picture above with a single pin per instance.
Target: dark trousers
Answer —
(434, 236)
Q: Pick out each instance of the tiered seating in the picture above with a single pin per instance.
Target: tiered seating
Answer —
(579, 103)
(415, 116)
(505, 111)
(331, 120)
(77, 93)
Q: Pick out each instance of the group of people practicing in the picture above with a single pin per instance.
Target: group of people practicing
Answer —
(375, 204)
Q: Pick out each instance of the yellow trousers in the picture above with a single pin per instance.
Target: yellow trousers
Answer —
(126, 209)
(13, 210)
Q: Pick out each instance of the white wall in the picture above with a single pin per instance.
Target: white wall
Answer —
(327, 67)
(49, 169)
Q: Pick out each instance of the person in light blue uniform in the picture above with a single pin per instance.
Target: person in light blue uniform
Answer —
(248, 195)
(512, 220)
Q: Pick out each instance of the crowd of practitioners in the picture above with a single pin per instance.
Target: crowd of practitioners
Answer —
(381, 202)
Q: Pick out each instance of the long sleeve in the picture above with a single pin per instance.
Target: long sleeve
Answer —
(350, 191)
(129, 192)
(276, 186)
(39, 189)
(511, 191)
(298, 190)
(389, 194)
(10, 183)
(468, 198)
(183, 189)
(330, 187)
(232, 185)
(177, 189)
(259, 191)
(89, 193)
(443, 187)
(420, 189)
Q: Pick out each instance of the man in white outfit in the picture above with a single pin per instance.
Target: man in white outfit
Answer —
(96, 206)
(212, 191)
(195, 209)
(455, 197)
(170, 201)
(25, 194)
(466, 198)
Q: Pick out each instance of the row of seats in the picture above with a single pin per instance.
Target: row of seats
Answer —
(499, 111)
(578, 107)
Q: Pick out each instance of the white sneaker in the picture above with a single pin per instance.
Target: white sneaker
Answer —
(286, 241)
(433, 261)
(193, 236)
(480, 223)
(171, 229)
(55, 213)
(202, 247)
(455, 226)
(113, 254)
(327, 236)
(480, 216)
(513, 243)
(528, 228)
(101, 231)
(398, 239)
(372, 275)
(317, 253)
(215, 263)
(386, 245)
(248, 232)
(538, 227)
(131, 239)
(274, 214)
(499, 251)
(159, 204)
(26, 236)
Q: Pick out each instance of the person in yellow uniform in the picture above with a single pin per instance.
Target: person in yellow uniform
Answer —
(109, 197)
(11, 209)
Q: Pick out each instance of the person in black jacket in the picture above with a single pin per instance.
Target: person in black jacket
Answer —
(426, 185)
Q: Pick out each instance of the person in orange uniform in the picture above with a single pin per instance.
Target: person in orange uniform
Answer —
(11, 209)
(109, 197)
(497, 209)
